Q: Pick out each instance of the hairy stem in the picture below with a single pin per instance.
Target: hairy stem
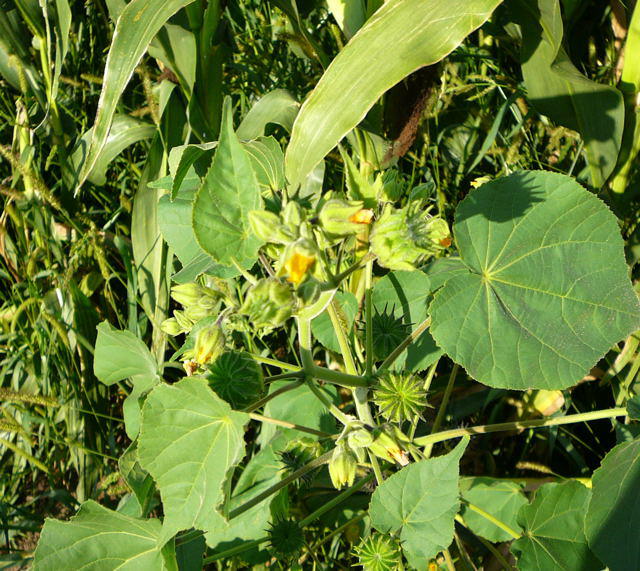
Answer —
(505, 426)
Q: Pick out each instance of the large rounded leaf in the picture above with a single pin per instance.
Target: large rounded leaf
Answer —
(546, 291)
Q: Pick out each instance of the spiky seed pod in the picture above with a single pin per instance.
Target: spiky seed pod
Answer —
(399, 396)
(388, 332)
(285, 537)
(379, 552)
(237, 378)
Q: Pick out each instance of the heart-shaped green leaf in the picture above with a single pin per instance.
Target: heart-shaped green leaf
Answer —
(419, 503)
(189, 439)
(553, 526)
(546, 291)
(221, 208)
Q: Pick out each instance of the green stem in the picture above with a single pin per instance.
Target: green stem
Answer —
(336, 501)
(258, 404)
(368, 319)
(488, 545)
(343, 342)
(338, 377)
(224, 555)
(404, 344)
(304, 340)
(505, 426)
(353, 268)
(285, 376)
(443, 406)
(286, 424)
(333, 409)
(276, 363)
(281, 484)
(495, 521)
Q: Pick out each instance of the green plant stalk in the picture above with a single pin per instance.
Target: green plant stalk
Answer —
(487, 544)
(390, 360)
(286, 424)
(276, 363)
(631, 375)
(333, 409)
(506, 426)
(281, 484)
(443, 406)
(314, 371)
(495, 521)
(260, 403)
(224, 555)
(336, 501)
(368, 319)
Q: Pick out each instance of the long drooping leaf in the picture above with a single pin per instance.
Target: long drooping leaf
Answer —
(138, 23)
(98, 538)
(560, 91)
(553, 538)
(613, 518)
(419, 504)
(221, 208)
(189, 439)
(277, 106)
(401, 37)
(125, 131)
(546, 291)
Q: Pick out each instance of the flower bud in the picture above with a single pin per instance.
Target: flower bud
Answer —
(209, 344)
(342, 466)
(187, 294)
(183, 320)
(292, 215)
(171, 327)
(269, 303)
(385, 445)
(299, 258)
(400, 396)
(342, 217)
(268, 227)
(400, 237)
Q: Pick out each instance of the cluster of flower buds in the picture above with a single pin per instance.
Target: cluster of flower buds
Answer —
(198, 302)
(401, 237)
(268, 304)
(385, 442)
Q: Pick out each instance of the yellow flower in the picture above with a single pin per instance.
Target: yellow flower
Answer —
(297, 266)
(363, 216)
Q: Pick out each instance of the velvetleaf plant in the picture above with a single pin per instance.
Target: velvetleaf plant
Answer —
(527, 290)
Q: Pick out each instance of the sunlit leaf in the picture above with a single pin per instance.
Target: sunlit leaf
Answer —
(418, 503)
(401, 37)
(546, 292)
(189, 439)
